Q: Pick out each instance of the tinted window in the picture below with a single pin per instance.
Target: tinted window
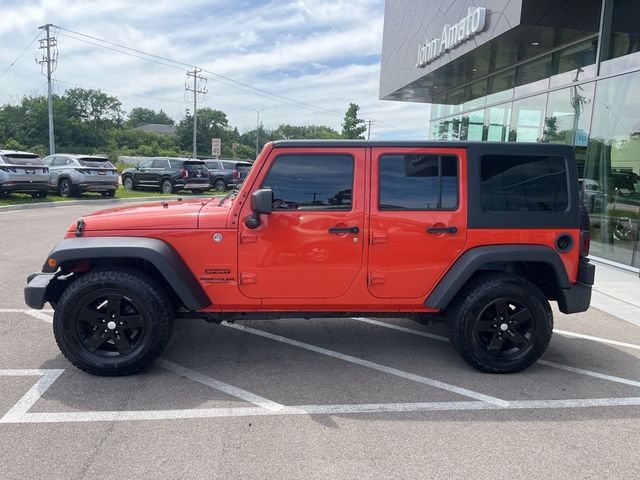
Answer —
(160, 163)
(523, 183)
(95, 162)
(146, 164)
(228, 165)
(176, 163)
(418, 182)
(310, 182)
(212, 164)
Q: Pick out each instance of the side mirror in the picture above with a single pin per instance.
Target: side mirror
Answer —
(261, 203)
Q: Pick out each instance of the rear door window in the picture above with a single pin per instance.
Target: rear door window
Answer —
(311, 182)
(524, 183)
(418, 182)
(160, 163)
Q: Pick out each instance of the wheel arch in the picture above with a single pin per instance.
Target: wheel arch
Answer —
(537, 263)
(148, 254)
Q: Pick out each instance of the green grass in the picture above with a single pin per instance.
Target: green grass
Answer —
(21, 198)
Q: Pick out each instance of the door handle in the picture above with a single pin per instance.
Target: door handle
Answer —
(442, 230)
(344, 230)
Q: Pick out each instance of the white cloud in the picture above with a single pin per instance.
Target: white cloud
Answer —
(317, 52)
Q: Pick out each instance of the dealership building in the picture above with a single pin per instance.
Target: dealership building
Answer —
(556, 71)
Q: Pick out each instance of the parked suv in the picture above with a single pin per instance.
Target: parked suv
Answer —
(226, 173)
(71, 174)
(23, 172)
(480, 235)
(168, 174)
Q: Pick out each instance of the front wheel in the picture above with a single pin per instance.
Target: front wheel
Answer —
(500, 323)
(113, 322)
(128, 183)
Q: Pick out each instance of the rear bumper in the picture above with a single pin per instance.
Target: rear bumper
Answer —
(36, 289)
(577, 297)
(97, 186)
(20, 186)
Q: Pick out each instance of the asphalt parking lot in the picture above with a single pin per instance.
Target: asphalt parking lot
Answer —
(348, 398)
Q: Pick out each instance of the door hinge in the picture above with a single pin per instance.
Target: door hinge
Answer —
(248, 237)
(377, 278)
(248, 278)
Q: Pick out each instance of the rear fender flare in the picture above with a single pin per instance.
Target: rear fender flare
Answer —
(473, 260)
(157, 252)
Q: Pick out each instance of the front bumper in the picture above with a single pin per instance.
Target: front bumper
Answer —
(577, 297)
(35, 293)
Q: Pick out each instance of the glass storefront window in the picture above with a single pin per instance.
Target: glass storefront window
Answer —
(455, 100)
(526, 119)
(611, 184)
(575, 63)
(476, 95)
(500, 87)
(621, 50)
(533, 76)
(497, 123)
(475, 126)
(568, 115)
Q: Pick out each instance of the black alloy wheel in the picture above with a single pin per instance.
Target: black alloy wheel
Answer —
(110, 324)
(505, 327)
(500, 322)
(113, 322)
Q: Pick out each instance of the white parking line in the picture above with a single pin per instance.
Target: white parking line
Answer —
(596, 339)
(47, 377)
(589, 373)
(374, 366)
(218, 385)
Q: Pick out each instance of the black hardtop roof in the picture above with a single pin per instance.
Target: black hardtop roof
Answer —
(481, 147)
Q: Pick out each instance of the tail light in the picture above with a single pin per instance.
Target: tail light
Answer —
(184, 173)
(8, 169)
(585, 232)
(80, 170)
(236, 174)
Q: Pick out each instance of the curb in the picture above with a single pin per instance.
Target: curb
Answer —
(70, 203)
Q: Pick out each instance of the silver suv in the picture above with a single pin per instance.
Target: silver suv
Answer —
(23, 172)
(74, 174)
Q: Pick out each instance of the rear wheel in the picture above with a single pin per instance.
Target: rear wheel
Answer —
(113, 322)
(500, 323)
(167, 186)
(219, 185)
(64, 188)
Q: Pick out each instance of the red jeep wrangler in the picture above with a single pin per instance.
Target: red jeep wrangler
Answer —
(486, 233)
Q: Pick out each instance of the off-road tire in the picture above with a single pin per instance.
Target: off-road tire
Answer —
(166, 186)
(469, 309)
(153, 306)
(128, 183)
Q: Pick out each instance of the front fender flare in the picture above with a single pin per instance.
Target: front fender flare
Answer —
(157, 252)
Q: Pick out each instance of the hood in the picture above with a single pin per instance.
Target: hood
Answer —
(159, 215)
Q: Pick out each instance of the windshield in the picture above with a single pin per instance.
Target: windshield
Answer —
(19, 159)
(95, 162)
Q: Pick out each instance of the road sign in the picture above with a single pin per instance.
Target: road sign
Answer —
(216, 147)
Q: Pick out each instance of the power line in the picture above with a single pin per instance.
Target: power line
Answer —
(21, 54)
(118, 92)
(230, 82)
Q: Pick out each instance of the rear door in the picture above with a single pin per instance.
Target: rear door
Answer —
(418, 219)
(310, 246)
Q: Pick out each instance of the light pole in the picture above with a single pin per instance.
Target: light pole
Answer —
(257, 128)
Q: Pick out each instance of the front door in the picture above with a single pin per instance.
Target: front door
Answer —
(311, 245)
(418, 219)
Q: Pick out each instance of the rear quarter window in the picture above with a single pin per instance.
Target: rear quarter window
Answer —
(524, 183)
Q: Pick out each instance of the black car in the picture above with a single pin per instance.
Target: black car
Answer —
(224, 173)
(168, 174)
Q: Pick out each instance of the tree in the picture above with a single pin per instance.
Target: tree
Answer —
(142, 116)
(353, 127)
(211, 124)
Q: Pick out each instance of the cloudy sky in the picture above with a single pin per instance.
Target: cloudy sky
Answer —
(319, 54)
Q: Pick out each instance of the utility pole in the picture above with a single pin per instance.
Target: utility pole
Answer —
(199, 87)
(50, 57)
(257, 129)
(369, 129)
